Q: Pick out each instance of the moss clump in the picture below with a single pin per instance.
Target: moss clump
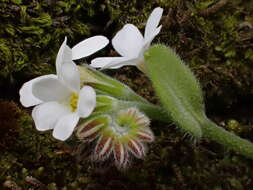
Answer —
(213, 37)
(31, 33)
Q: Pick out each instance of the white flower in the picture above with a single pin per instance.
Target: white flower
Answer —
(131, 45)
(59, 99)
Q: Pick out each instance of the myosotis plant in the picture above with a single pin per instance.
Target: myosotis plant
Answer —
(108, 114)
(181, 96)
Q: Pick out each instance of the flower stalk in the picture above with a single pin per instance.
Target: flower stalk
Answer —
(228, 139)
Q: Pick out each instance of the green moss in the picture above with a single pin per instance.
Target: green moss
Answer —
(217, 46)
(31, 33)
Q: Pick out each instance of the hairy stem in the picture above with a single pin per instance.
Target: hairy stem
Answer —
(220, 135)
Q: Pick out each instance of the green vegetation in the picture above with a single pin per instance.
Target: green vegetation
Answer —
(213, 37)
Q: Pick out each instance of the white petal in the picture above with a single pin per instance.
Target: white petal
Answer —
(27, 98)
(123, 62)
(65, 126)
(50, 89)
(149, 39)
(153, 21)
(71, 76)
(103, 61)
(46, 115)
(112, 62)
(128, 41)
(86, 101)
(64, 55)
(89, 46)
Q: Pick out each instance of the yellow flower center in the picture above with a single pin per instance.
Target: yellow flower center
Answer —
(73, 101)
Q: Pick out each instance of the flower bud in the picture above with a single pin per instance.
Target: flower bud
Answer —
(90, 129)
(120, 135)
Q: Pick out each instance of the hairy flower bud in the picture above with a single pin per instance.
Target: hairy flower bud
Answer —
(120, 136)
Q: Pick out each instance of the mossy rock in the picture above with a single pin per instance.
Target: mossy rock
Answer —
(214, 39)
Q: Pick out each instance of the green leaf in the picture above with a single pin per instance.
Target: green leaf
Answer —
(177, 88)
(181, 95)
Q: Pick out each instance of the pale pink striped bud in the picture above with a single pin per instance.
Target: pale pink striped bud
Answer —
(120, 136)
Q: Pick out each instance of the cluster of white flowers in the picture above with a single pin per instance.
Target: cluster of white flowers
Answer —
(59, 99)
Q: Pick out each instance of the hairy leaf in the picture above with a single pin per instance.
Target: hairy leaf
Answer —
(177, 88)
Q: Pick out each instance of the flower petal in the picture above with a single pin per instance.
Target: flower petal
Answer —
(66, 69)
(89, 46)
(49, 89)
(86, 101)
(104, 61)
(71, 76)
(125, 62)
(149, 39)
(112, 62)
(128, 41)
(64, 55)
(47, 114)
(153, 22)
(27, 98)
(65, 126)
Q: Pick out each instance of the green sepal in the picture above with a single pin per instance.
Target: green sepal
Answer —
(92, 125)
(106, 85)
(108, 88)
(105, 104)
